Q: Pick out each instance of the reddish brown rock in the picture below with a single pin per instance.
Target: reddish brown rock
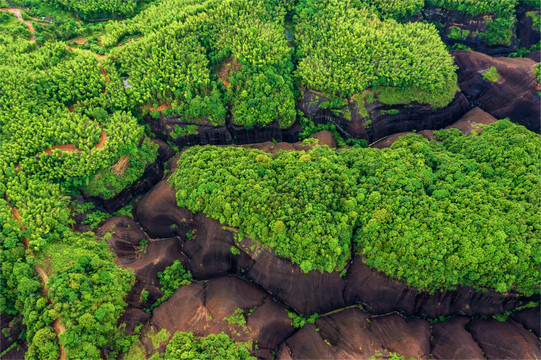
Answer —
(504, 340)
(125, 239)
(306, 343)
(530, 319)
(382, 294)
(529, 35)
(209, 250)
(352, 334)
(272, 148)
(471, 121)
(325, 138)
(270, 325)
(387, 141)
(164, 151)
(380, 121)
(158, 213)
(452, 341)
(307, 293)
(202, 309)
(514, 95)
(534, 55)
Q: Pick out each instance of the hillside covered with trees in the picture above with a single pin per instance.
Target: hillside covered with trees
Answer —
(85, 84)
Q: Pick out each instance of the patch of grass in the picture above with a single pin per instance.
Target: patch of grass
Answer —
(237, 318)
(491, 75)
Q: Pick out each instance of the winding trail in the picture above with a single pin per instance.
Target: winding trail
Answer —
(58, 327)
(17, 13)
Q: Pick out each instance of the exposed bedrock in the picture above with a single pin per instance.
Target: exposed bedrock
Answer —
(469, 122)
(530, 319)
(469, 28)
(152, 174)
(230, 133)
(353, 334)
(504, 340)
(514, 95)
(145, 257)
(381, 121)
(202, 308)
(209, 253)
(452, 341)
(529, 35)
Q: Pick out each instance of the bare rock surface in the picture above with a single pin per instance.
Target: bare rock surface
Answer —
(382, 120)
(452, 341)
(126, 236)
(353, 334)
(471, 121)
(504, 340)
(514, 95)
(530, 319)
(205, 308)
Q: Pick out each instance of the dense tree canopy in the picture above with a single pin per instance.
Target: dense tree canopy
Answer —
(344, 50)
(185, 345)
(464, 212)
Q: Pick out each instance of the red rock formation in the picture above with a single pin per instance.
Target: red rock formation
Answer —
(514, 95)
(504, 340)
(452, 341)
(353, 334)
(382, 123)
(530, 319)
(201, 309)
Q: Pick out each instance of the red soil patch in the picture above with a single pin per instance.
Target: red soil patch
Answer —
(103, 139)
(80, 41)
(101, 67)
(17, 13)
(67, 148)
(226, 69)
(159, 109)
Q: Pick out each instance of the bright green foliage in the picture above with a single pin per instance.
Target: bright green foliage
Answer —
(537, 72)
(185, 345)
(536, 19)
(237, 318)
(114, 179)
(37, 84)
(298, 321)
(180, 73)
(344, 50)
(185, 56)
(397, 9)
(475, 7)
(311, 227)
(465, 212)
(182, 131)
(89, 9)
(173, 277)
(491, 74)
(88, 292)
(500, 29)
(125, 211)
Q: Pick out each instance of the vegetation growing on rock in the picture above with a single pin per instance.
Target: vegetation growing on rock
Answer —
(185, 345)
(464, 212)
(344, 50)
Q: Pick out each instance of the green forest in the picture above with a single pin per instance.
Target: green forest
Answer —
(415, 211)
(81, 82)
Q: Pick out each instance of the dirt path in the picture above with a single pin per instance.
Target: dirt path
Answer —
(59, 328)
(159, 109)
(17, 13)
(100, 58)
